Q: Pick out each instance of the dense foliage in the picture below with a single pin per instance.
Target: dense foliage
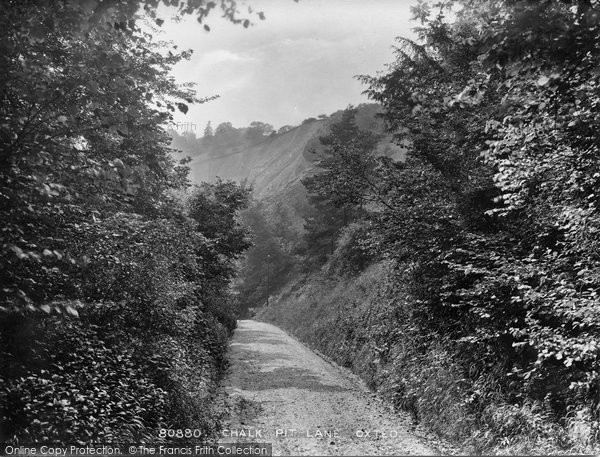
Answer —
(266, 266)
(499, 108)
(114, 309)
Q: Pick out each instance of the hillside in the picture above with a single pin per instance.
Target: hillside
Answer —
(272, 163)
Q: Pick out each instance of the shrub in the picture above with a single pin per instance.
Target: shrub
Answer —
(351, 255)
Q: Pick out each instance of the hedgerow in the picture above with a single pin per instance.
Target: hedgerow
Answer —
(114, 310)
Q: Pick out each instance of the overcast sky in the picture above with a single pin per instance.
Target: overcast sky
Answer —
(299, 62)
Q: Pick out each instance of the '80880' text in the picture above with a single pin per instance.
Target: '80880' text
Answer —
(179, 433)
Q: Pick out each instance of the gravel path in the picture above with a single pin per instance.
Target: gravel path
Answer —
(283, 393)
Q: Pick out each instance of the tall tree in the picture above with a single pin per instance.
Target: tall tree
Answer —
(342, 183)
(208, 130)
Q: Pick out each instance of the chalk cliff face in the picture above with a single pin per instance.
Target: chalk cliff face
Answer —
(273, 164)
(270, 165)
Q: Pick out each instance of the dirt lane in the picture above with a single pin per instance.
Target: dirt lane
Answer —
(285, 394)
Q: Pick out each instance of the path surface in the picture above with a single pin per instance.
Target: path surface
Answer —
(285, 394)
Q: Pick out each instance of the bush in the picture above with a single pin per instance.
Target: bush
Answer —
(371, 324)
(75, 385)
(351, 255)
(145, 347)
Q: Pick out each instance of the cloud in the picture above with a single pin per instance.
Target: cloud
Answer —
(298, 63)
(220, 71)
(222, 56)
